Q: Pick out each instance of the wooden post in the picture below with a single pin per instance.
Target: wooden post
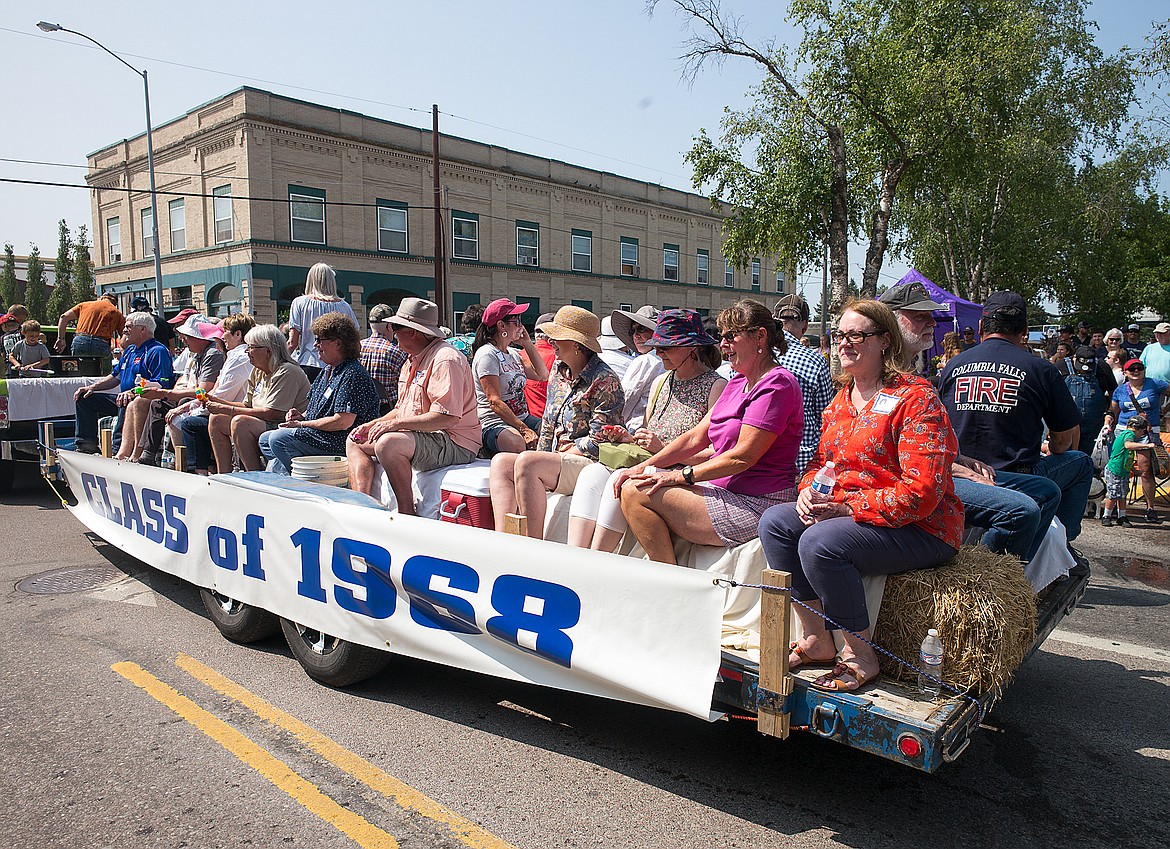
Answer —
(516, 524)
(775, 681)
(180, 458)
(107, 442)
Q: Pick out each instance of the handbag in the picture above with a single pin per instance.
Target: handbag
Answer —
(621, 455)
(1155, 465)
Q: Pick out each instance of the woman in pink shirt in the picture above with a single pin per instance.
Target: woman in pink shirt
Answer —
(737, 462)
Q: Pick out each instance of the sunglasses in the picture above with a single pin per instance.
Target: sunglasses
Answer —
(729, 335)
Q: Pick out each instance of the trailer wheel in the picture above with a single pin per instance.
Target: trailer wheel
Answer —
(331, 660)
(239, 622)
(7, 473)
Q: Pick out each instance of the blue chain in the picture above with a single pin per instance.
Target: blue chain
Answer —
(837, 626)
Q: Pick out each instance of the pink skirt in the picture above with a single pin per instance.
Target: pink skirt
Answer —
(735, 516)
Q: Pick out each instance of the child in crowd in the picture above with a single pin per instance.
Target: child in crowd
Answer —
(10, 327)
(1118, 468)
(29, 352)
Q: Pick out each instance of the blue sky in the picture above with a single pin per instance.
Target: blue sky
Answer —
(598, 83)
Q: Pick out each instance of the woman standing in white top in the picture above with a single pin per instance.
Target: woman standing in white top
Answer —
(320, 298)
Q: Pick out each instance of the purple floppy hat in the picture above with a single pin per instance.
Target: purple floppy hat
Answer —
(680, 329)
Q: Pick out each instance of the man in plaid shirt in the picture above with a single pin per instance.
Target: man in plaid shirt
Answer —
(382, 357)
(810, 370)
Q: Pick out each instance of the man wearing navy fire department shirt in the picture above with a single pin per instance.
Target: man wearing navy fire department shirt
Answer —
(999, 398)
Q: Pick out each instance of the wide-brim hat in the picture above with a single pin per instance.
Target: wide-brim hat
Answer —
(623, 323)
(607, 339)
(200, 327)
(418, 314)
(680, 328)
(574, 324)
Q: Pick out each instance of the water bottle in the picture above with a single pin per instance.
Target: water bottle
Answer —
(930, 660)
(825, 480)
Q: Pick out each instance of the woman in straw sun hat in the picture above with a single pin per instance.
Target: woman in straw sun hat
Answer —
(584, 395)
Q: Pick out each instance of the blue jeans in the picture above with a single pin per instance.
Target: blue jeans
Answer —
(89, 409)
(1072, 472)
(195, 437)
(828, 559)
(1015, 513)
(282, 445)
(83, 343)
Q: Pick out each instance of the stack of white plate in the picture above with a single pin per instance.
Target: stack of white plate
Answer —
(330, 470)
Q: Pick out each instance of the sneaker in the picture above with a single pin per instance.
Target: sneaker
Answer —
(1124, 522)
(1153, 518)
(1106, 521)
(146, 458)
(86, 446)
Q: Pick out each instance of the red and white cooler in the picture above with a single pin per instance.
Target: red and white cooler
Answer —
(464, 497)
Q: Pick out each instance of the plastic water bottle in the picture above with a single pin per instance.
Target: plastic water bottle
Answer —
(930, 659)
(825, 480)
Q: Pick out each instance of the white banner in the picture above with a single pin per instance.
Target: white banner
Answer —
(479, 600)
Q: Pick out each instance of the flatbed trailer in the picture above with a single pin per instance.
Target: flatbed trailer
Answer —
(885, 719)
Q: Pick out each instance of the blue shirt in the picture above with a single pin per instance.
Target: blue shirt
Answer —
(152, 361)
(1148, 401)
(345, 389)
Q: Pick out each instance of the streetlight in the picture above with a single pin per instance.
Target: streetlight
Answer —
(45, 26)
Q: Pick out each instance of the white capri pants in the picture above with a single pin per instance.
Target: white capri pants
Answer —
(593, 498)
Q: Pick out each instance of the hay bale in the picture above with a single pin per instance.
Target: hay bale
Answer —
(984, 610)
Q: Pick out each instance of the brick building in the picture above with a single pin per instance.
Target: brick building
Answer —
(255, 187)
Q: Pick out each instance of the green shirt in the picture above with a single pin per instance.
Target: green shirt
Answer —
(1121, 458)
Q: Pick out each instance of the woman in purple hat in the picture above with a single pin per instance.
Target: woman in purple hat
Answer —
(678, 401)
(500, 378)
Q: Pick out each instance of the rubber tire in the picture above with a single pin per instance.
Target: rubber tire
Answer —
(7, 474)
(341, 664)
(244, 624)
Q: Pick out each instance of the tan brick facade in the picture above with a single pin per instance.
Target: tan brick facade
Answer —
(266, 147)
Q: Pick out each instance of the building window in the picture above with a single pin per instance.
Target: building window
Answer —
(177, 216)
(705, 313)
(527, 243)
(670, 262)
(728, 274)
(703, 260)
(780, 281)
(148, 232)
(630, 258)
(392, 235)
(465, 235)
(113, 239)
(530, 315)
(585, 305)
(221, 211)
(306, 215)
(582, 251)
(460, 301)
(626, 307)
(755, 275)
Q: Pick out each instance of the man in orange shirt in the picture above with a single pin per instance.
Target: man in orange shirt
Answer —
(98, 322)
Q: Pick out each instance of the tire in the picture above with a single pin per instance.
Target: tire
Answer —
(7, 474)
(239, 622)
(332, 661)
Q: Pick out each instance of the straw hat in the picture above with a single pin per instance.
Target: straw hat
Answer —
(419, 315)
(574, 324)
(624, 321)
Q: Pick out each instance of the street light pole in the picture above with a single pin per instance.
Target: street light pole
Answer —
(45, 26)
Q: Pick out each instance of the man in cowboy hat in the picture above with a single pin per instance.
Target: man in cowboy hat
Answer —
(635, 330)
(434, 425)
(811, 371)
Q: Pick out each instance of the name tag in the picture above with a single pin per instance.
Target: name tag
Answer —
(420, 378)
(328, 393)
(884, 403)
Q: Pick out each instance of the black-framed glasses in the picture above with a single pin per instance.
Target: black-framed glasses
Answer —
(729, 335)
(853, 337)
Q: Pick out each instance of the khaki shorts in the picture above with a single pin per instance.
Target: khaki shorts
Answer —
(571, 466)
(435, 450)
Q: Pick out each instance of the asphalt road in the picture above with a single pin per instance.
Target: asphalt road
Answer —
(118, 732)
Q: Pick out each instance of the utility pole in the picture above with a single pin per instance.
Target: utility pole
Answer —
(440, 242)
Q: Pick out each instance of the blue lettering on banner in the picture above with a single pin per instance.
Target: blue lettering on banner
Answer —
(221, 545)
(131, 515)
(309, 542)
(424, 601)
(253, 545)
(537, 611)
(380, 596)
(152, 511)
(157, 517)
(176, 537)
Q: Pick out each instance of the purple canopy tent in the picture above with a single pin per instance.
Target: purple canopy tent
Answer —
(957, 314)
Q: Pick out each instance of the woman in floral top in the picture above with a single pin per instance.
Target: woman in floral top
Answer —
(584, 395)
(893, 509)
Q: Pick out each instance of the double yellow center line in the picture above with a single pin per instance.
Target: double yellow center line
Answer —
(304, 792)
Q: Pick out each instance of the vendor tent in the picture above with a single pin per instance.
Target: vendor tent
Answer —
(958, 313)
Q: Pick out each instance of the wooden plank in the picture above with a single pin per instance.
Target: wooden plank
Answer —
(516, 524)
(180, 458)
(106, 438)
(774, 629)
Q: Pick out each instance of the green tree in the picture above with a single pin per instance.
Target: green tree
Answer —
(8, 290)
(874, 94)
(62, 297)
(83, 288)
(34, 290)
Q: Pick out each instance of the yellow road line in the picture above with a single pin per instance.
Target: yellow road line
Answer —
(464, 830)
(275, 770)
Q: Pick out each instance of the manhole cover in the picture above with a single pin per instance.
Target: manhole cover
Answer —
(73, 579)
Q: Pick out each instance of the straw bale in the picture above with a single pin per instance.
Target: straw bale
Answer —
(984, 610)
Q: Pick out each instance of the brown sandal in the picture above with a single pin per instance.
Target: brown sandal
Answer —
(834, 682)
(795, 648)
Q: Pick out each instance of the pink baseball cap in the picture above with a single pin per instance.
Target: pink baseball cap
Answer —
(499, 309)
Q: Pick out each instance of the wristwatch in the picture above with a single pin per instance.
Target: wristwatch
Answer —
(688, 474)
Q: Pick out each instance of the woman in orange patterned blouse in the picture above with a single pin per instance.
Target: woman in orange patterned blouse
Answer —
(893, 509)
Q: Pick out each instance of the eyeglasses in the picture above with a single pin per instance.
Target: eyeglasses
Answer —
(317, 342)
(853, 337)
(1136, 368)
(257, 348)
(641, 331)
